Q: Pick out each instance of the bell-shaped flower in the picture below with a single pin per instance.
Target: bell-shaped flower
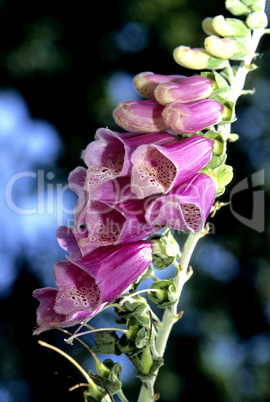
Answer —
(184, 208)
(189, 89)
(188, 118)
(145, 83)
(113, 215)
(157, 169)
(86, 284)
(108, 157)
(48, 318)
(140, 116)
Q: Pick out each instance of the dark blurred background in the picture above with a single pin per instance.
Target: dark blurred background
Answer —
(63, 69)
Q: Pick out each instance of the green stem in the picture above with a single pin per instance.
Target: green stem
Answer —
(238, 82)
(170, 316)
(121, 396)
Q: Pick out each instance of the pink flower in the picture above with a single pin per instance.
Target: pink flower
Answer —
(113, 215)
(188, 118)
(187, 90)
(140, 116)
(108, 157)
(145, 83)
(86, 284)
(159, 168)
(185, 207)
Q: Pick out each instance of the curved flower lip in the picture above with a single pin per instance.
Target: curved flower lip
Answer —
(157, 169)
(114, 215)
(189, 89)
(186, 207)
(108, 157)
(189, 118)
(85, 285)
(145, 83)
(140, 116)
(115, 268)
(47, 318)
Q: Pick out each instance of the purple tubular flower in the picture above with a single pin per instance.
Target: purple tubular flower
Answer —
(188, 118)
(145, 83)
(47, 318)
(108, 157)
(85, 285)
(185, 207)
(188, 90)
(114, 215)
(140, 116)
(157, 169)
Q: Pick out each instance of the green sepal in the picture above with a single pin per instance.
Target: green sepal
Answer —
(106, 343)
(134, 306)
(167, 295)
(223, 89)
(146, 275)
(165, 249)
(216, 161)
(125, 345)
(142, 338)
(221, 176)
(111, 382)
(228, 116)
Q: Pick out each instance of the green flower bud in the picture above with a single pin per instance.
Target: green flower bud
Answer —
(208, 27)
(221, 176)
(166, 295)
(165, 249)
(197, 59)
(237, 7)
(221, 48)
(230, 27)
(257, 19)
(225, 48)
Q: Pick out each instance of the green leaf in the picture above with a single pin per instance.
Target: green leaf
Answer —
(106, 342)
(112, 382)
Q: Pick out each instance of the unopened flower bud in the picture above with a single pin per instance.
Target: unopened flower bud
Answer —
(225, 48)
(237, 7)
(140, 116)
(230, 27)
(145, 83)
(257, 19)
(188, 118)
(188, 90)
(197, 59)
(165, 294)
(165, 249)
(208, 27)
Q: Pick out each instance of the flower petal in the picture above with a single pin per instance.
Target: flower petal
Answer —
(157, 169)
(186, 207)
(78, 290)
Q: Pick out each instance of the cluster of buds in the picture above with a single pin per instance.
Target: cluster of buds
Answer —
(173, 102)
(228, 38)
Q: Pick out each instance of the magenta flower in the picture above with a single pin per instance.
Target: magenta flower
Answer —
(114, 215)
(86, 284)
(108, 157)
(140, 116)
(188, 118)
(47, 318)
(185, 207)
(187, 90)
(145, 83)
(159, 168)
